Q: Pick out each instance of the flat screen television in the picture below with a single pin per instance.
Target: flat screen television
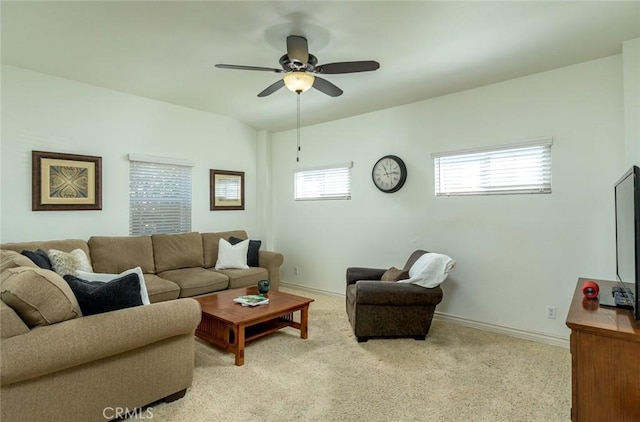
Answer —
(627, 205)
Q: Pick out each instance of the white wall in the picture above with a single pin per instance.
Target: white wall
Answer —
(515, 253)
(41, 112)
(631, 72)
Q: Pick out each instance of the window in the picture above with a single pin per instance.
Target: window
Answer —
(159, 195)
(329, 182)
(518, 168)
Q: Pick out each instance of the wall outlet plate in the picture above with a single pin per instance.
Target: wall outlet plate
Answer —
(551, 312)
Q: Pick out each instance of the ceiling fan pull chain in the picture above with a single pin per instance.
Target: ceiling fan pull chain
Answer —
(298, 132)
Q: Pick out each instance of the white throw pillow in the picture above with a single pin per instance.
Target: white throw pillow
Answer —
(430, 270)
(105, 278)
(232, 256)
(65, 263)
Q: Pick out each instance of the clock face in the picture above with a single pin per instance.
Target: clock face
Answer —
(389, 173)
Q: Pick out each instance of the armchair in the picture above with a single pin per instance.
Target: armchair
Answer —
(378, 308)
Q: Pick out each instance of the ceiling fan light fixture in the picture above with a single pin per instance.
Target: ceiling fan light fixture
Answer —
(298, 81)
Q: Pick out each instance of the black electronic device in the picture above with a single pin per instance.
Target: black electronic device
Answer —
(627, 206)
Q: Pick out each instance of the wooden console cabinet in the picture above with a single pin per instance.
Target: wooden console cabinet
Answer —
(605, 361)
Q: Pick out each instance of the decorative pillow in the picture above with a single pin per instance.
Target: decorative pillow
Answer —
(232, 256)
(96, 297)
(105, 278)
(253, 254)
(12, 259)
(39, 297)
(395, 274)
(39, 257)
(69, 262)
(430, 270)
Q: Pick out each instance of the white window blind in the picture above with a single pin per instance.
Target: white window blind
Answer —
(518, 168)
(330, 182)
(228, 189)
(159, 195)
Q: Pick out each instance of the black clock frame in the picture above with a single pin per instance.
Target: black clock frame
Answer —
(403, 173)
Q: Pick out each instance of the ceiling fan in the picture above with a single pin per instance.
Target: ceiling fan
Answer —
(300, 69)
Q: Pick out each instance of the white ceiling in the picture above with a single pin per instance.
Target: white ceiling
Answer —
(166, 49)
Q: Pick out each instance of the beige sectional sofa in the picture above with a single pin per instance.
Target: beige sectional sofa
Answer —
(174, 265)
(89, 368)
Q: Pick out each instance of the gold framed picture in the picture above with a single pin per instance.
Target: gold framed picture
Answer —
(226, 190)
(63, 182)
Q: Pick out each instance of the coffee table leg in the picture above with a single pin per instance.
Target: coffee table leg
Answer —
(240, 345)
(304, 319)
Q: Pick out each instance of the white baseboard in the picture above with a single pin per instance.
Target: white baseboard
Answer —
(310, 289)
(513, 332)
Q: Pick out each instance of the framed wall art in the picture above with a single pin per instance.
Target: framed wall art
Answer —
(226, 190)
(62, 182)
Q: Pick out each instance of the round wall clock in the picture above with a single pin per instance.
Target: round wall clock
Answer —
(389, 173)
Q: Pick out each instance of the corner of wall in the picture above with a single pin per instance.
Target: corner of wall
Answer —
(263, 188)
(631, 88)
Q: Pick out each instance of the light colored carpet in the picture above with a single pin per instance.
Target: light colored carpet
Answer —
(457, 374)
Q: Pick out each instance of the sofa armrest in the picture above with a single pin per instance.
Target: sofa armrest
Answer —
(272, 262)
(56, 347)
(361, 273)
(371, 292)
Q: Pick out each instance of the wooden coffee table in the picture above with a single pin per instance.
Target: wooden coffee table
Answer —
(228, 325)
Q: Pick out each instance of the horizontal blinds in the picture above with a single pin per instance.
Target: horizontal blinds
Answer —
(505, 170)
(228, 189)
(159, 198)
(323, 183)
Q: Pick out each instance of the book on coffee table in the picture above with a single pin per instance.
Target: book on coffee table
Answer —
(252, 300)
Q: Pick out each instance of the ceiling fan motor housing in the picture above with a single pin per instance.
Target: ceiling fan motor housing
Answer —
(295, 66)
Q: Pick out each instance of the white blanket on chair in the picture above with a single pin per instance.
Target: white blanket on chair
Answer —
(430, 270)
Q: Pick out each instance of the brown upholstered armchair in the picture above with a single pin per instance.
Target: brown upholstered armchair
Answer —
(388, 309)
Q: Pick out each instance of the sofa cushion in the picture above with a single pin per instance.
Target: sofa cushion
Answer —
(245, 278)
(394, 274)
(66, 245)
(39, 257)
(174, 251)
(232, 256)
(253, 254)
(210, 244)
(196, 281)
(65, 263)
(115, 254)
(12, 259)
(159, 289)
(10, 323)
(97, 297)
(105, 278)
(39, 297)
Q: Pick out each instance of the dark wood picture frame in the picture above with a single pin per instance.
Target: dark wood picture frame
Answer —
(223, 183)
(65, 182)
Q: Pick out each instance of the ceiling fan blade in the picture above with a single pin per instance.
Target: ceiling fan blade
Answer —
(297, 49)
(238, 67)
(272, 88)
(347, 67)
(326, 87)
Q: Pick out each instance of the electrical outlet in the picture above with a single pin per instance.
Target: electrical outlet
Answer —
(551, 312)
(295, 270)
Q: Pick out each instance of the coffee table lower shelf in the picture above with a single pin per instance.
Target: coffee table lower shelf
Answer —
(232, 337)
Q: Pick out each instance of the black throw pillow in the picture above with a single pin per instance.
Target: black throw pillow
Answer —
(39, 257)
(253, 254)
(96, 297)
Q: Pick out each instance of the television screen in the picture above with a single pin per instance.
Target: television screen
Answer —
(627, 197)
